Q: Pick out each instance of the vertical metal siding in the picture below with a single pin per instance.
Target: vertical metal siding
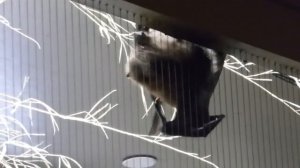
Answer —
(76, 67)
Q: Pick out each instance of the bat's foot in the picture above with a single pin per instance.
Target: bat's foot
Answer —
(175, 128)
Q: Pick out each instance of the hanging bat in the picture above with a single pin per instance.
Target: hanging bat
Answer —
(180, 74)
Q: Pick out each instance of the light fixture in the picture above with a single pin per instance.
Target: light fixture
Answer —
(139, 161)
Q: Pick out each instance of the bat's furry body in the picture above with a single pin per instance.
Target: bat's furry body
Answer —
(179, 73)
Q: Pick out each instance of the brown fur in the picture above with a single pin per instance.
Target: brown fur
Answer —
(177, 72)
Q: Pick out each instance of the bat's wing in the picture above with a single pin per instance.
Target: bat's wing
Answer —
(176, 128)
(192, 118)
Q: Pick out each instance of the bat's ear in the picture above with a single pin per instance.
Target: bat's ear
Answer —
(143, 28)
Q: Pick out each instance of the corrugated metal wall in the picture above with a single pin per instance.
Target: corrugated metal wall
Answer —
(76, 67)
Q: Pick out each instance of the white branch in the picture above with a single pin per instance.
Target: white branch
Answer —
(297, 81)
(6, 23)
(90, 118)
(239, 65)
(108, 28)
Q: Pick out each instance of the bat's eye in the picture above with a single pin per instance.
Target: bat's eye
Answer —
(142, 39)
(145, 28)
(142, 28)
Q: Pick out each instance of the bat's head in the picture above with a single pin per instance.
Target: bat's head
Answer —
(155, 59)
(156, 41)
(139, 68)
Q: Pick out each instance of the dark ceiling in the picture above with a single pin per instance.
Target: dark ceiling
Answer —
(265, 24)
